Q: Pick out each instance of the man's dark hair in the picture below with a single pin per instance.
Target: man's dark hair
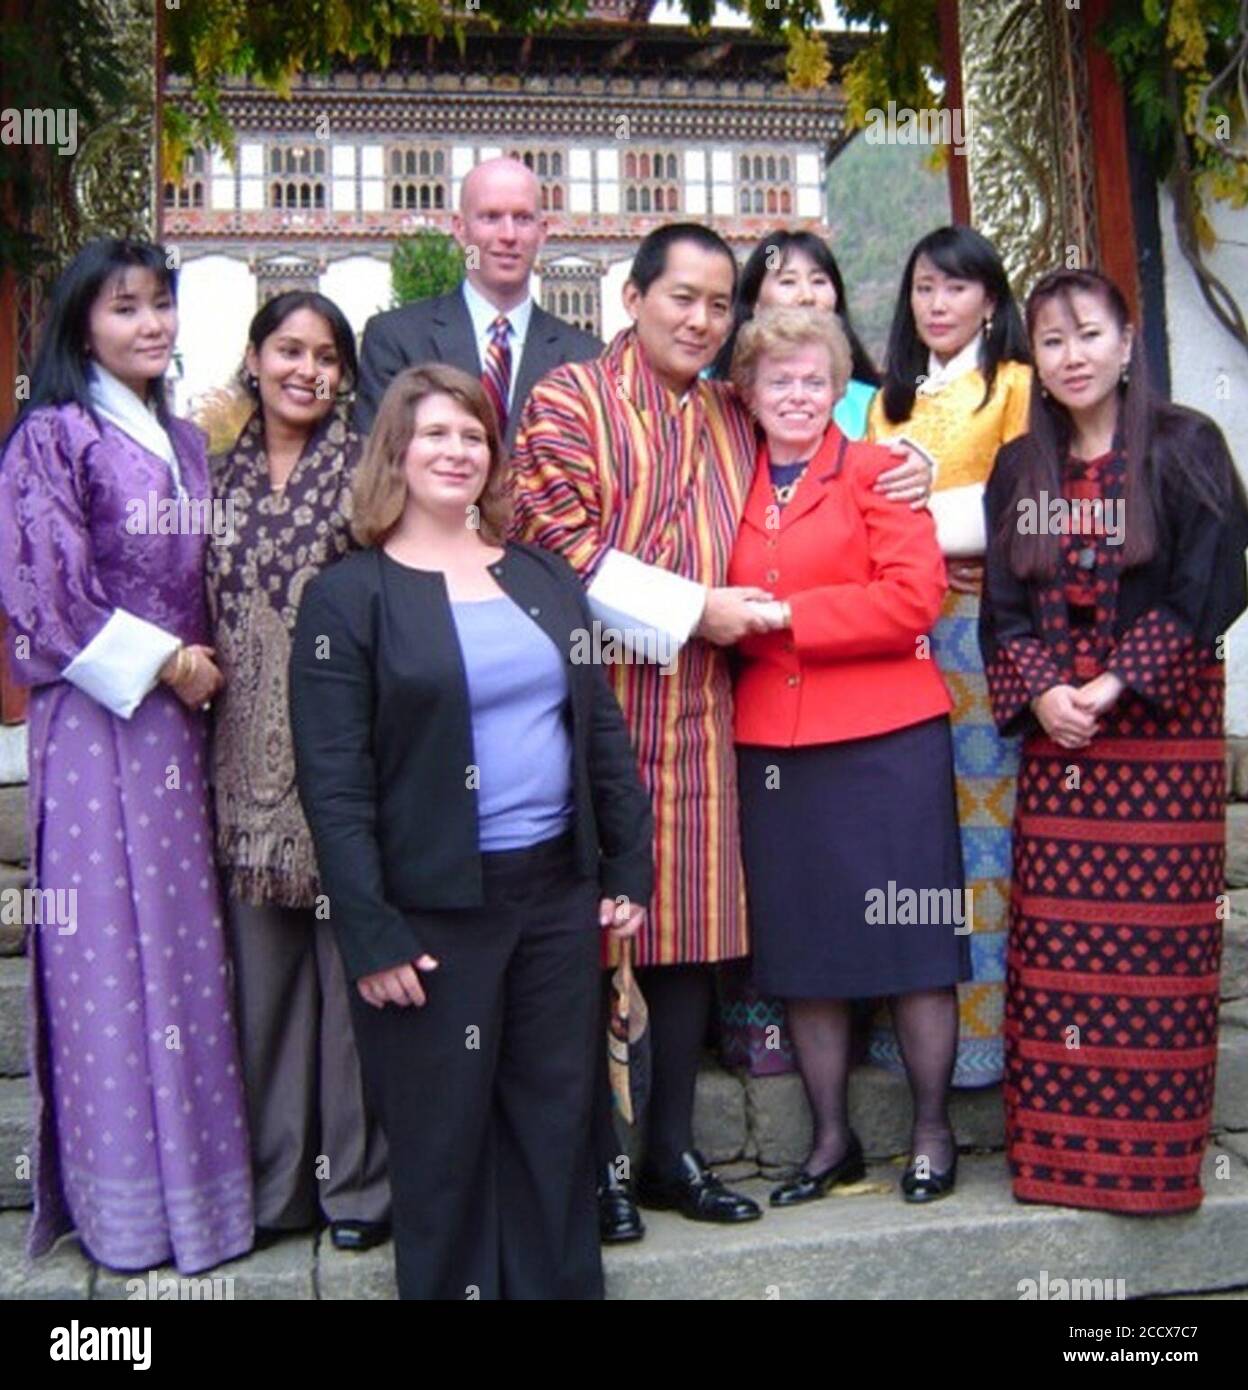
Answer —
(651, 259)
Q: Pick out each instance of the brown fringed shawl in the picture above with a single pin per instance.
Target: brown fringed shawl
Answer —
(279, 541)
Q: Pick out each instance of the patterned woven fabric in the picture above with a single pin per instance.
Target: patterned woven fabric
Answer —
(963, 433)
(985, 766)
(752, 1031)
(1115, 933)
(1115, 940)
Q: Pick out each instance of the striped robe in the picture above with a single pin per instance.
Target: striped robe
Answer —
(606, 457)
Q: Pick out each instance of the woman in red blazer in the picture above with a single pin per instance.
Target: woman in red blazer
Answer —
(845, 757)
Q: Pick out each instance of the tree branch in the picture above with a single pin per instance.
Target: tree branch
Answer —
(1216, 294)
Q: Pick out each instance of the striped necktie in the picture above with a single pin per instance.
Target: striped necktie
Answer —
(497, 375)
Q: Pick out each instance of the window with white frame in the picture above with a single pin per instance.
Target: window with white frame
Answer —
(297, 178)
(652, 181)
(189, 190)
(764, 183)
(416, 178)
(548, 165)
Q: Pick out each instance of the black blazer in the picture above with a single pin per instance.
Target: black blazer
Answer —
(1196, 571)
(440, 330)
(383, 741)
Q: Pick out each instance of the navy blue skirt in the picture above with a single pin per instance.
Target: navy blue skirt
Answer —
(853, 866)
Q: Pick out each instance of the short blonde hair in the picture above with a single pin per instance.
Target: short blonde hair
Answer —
(780, 331)
(380, 487)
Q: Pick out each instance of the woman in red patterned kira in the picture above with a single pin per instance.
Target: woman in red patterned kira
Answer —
(1117, 528)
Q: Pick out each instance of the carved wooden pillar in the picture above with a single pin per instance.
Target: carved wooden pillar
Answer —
(114, 177)
(1031, 165)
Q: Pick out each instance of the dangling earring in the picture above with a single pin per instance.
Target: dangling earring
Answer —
(1044, 391)
(988, 326)
(1126, 374)
(253, 382)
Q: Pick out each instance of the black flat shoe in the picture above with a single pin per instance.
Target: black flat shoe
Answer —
(619, 1221)
(695, 1192)
(809, 1187)
(929, 1189)
(358, 1235)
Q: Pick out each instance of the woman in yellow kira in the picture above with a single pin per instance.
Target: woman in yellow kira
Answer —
(957, 386)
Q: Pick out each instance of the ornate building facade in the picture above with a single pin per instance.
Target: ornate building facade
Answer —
(626, 124)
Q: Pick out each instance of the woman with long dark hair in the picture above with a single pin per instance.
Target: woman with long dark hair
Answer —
(316, 1149)
(141, 1137)
(956, 385)
(798, 269)
(1117, 529)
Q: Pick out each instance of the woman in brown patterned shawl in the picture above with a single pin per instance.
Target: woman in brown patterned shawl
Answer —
(286, 489)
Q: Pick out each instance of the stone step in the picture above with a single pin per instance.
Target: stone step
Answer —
(12, 934)
(979, 1243)
(864, 1243)
(14, 766)
(14, 999)
(1237, 844)
(16, 1133)
(13, 824)
(763, 1123)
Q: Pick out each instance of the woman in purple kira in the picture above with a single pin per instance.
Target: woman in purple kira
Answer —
(139, 1118)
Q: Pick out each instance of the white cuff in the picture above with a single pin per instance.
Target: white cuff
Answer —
(122, 662)
(959, 516)
(644, 601)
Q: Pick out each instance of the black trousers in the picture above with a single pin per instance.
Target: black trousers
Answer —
(484, 1094)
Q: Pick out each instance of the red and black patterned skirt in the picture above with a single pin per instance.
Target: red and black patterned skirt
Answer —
(1114, 951)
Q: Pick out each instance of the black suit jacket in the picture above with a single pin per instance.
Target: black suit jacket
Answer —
(383, 740)
(440, 330)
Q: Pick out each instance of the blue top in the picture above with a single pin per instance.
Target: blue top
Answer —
(850, 414)
(518, 696)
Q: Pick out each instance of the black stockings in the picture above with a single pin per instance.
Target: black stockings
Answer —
(820, 1029)
(927, 1029)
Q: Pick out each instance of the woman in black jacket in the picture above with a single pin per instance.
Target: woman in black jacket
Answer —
(1117, 527)
(476, 810)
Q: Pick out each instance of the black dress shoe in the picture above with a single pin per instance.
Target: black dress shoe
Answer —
(619, 1221)
(358, 1235)
(695, 1192)
(931, 1188)
(809, 1187)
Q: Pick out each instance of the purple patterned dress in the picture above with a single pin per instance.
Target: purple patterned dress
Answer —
(139, 1116)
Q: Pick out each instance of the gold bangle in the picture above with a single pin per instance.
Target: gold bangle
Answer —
(184, 664)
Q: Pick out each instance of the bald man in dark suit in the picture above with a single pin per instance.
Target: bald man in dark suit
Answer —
(490, 325)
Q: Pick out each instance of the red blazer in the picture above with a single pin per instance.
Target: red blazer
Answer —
(865, 579)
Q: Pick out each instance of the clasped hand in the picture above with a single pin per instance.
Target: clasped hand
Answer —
(199, 677)
(1070, 715)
